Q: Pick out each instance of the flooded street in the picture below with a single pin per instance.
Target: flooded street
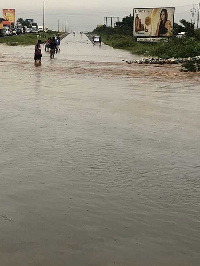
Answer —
(100, 160)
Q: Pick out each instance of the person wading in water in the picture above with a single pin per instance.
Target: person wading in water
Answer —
(52, 47)
(38, 52)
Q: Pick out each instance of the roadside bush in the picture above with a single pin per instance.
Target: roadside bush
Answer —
(191, 66)
(175, 47)
(188, 46)
(23, 39)
(178, 48)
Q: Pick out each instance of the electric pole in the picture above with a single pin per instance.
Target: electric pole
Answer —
(193, 12)
(198, 15)
(43, 15)
(111, 20)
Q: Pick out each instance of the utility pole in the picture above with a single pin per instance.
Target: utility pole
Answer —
(58, 25)
(66, 26)
(111, 20)
(193, 12)
(198, 15)
(105, 21)
(43, 15)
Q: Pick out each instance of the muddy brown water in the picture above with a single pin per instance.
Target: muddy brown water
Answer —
(100, 160)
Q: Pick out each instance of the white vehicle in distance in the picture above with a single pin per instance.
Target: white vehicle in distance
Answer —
(40, 28)
(14, 32)
(7, 32)
(28, 30)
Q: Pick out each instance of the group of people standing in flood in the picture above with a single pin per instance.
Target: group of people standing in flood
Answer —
(52, 45)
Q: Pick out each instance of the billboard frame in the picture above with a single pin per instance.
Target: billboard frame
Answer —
(152, 37)
(12, 11)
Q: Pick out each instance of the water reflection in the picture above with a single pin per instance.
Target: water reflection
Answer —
(37, 77)
(97, 161)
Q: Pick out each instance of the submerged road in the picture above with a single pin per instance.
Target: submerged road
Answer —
(100, 160)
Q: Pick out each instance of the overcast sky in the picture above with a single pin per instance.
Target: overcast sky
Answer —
(93, 3)
(87, 14)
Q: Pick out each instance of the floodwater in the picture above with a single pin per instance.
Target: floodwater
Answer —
(100, 159)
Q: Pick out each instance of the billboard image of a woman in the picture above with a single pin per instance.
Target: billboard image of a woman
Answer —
(164, 25)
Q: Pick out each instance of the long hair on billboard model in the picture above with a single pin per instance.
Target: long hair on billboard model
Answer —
(164, 25)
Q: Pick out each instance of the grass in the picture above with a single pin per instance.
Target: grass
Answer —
(26, 39)
(187, 47)
(175, 47)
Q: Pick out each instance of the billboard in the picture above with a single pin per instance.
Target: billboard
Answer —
(9, 15)
(153, 22)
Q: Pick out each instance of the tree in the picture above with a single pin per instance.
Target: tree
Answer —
(177, 29)
(188, 28)
(126, 26)
(2, 19)
(24, 22)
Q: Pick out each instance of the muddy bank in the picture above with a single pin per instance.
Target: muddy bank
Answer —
(110, 69)
(74, 64)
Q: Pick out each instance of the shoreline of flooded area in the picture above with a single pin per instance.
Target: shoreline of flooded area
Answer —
(99, 161)
(106, 68)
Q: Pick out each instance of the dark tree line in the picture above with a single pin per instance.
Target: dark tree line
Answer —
(24, 22)
(125, 27)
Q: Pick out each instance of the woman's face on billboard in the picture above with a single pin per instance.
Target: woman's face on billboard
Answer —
(162, 16)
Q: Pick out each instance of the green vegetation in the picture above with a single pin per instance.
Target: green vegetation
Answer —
(191, 66)
(26, 39)
(24, 22)
(122, 37)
